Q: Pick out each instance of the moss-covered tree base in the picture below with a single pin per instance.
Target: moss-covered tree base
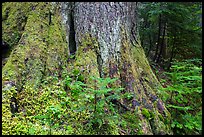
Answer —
(39, 69)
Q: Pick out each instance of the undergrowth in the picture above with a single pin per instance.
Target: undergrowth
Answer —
(184, 96)
(66, 105)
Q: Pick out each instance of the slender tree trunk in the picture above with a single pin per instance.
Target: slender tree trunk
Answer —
(150, 45)
(172, 55)
(162, 44)
(164, 52)
(108, 45)
(158, 39)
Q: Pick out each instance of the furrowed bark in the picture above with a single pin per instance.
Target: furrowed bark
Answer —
(34, 57)
(108, 45)
(105, 41)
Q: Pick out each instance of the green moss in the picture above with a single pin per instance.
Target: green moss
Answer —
(86, 58)
(146, 113)
(161, 117)
(130, 121)
(152, 115)
(40, 48)
(14, 20)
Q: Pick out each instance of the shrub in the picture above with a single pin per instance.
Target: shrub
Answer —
(184, 99)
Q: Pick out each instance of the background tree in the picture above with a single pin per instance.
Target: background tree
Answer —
(180, 70)
(182, 31)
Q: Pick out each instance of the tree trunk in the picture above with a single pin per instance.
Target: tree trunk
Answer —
(172, 55)
(34, 57)
(158, 39)
(108, 45)
(105, 40)
(162, 52)
(150, 44)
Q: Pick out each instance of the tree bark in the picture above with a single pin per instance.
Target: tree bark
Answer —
(158, 39)
(34, 57)
(108, 45)
(162, 52)
(105, 39)
(150, 44)
(172, 55)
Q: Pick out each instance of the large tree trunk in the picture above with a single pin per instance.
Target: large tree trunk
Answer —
(105, 41)
(40, 52)
(108, 45)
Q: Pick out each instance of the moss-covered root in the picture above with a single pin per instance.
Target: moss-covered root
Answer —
(86, 58)
(139, 81)
(40, 52)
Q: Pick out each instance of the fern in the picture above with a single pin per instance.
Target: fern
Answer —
(184, 99)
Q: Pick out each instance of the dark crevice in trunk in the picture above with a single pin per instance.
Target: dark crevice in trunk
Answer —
(6, 15)
(150, 44)
(99, 62)
(50, 18)
(8, 46)
(14, 106)
(72, 42)
(5, 52)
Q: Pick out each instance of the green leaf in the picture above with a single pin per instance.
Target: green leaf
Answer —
(59, 116)
(180, 108)
(55, 126)
(41, 116)
(31, 131)
(173, 125)
(76, 72)
(188, 126)
(69, 128)
(179, 125)
(100, 122)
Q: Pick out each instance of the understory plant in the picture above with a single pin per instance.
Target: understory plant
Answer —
(184, 98)
(79, 108)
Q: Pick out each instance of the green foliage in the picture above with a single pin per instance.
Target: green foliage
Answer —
(146, 113)
(184, 99)
(104, 112)
(53, 113)
(80, 109)
(184, 29)
(130, 123)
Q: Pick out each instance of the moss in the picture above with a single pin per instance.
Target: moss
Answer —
(146, 113)
(131, 55)
(143, 67)
(38, 51)
(38, 44)
(86, 58)
(152, 115)
(161, 117)
(15, 15)
(130, 121)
